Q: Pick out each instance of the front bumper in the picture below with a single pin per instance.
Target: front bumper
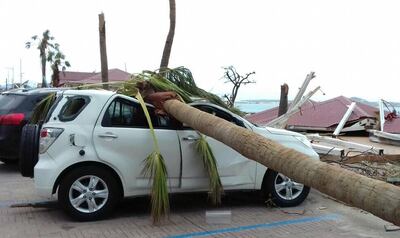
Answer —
(45, 175)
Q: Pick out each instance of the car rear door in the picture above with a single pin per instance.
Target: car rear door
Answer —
(122, 138)
(236, 171)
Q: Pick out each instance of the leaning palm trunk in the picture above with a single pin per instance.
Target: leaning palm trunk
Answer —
(377, 197)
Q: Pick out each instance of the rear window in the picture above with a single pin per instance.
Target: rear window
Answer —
(73, 107)
(10, 102)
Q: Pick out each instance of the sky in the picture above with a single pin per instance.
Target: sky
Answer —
(353, 46)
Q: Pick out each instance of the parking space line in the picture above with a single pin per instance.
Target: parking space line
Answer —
(259, 226)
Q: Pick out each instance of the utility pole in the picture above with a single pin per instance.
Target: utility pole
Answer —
(8, 76)
(103, 50)
(20, 72)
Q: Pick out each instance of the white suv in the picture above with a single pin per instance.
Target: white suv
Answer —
(94, 142)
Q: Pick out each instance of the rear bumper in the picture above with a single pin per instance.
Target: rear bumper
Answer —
(45, 175)
(10, 137)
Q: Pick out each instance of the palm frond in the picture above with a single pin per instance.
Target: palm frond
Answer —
(183, 78)
(160, 84)
(42, 108)
(210, 164)
(154, 166)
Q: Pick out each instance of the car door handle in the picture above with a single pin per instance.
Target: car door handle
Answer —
(190, 138)
(108, 135)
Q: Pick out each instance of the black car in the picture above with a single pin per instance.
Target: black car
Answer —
(16, 109)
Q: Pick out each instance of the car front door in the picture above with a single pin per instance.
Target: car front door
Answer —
(122, 139)
(236, 171)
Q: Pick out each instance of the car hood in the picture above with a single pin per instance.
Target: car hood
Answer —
(276, 131)
(289, 139)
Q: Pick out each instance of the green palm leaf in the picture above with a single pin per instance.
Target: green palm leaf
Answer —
(42, 108)
(210, 164)
(154, 166)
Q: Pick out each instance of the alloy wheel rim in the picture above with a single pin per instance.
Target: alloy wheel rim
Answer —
(286, 188)
(88, 194)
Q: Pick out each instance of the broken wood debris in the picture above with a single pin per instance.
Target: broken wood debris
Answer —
(391, 228)
(332, 146)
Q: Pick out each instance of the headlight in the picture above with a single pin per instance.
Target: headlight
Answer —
(303, 140)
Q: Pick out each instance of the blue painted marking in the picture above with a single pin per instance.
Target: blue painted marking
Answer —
(258, 226)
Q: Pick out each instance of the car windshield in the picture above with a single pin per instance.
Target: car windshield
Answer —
(10, 102)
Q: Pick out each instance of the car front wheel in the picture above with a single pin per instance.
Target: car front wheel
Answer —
(285, 192)
(88, 193)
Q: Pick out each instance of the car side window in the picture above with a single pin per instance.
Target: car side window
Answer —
(125, 113)
(220, 114)
(73, 107)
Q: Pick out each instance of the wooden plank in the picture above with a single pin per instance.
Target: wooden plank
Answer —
(346, 144)
(344, 119)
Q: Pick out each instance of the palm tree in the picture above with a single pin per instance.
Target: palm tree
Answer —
(49, 52)
(374, 196)
(57, 60)
(170, 36)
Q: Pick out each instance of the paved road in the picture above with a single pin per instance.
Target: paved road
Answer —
(322, 217)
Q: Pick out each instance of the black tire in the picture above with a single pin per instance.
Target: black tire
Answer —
(80, 173)
(29, 149)
(271, 177)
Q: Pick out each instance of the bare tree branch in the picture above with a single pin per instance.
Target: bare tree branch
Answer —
(232, 76)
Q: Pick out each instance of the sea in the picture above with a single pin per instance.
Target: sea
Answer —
(253, 107)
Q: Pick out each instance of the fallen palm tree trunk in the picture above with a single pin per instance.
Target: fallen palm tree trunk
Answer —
(377, 197)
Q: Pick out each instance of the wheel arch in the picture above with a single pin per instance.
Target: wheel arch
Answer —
(265, 179)
(88, 163)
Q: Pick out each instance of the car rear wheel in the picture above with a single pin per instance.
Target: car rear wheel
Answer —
(29, 149)
(284, 192)
(89, 193)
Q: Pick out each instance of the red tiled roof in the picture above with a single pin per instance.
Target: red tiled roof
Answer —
(392, 126)
(71, 76)
(85, 77)
(319, 114)
(113, 75)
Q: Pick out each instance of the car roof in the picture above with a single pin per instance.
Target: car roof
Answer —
(33, 91)
(89, 92)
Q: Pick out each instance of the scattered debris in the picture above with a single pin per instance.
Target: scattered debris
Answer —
(322, 208)
(325, 145)
(344, 119)
(393, 180)
(391, 227)
(384, 137)
(294, 211)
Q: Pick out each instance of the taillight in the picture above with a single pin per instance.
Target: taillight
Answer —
(47, 137)
(13, 119)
